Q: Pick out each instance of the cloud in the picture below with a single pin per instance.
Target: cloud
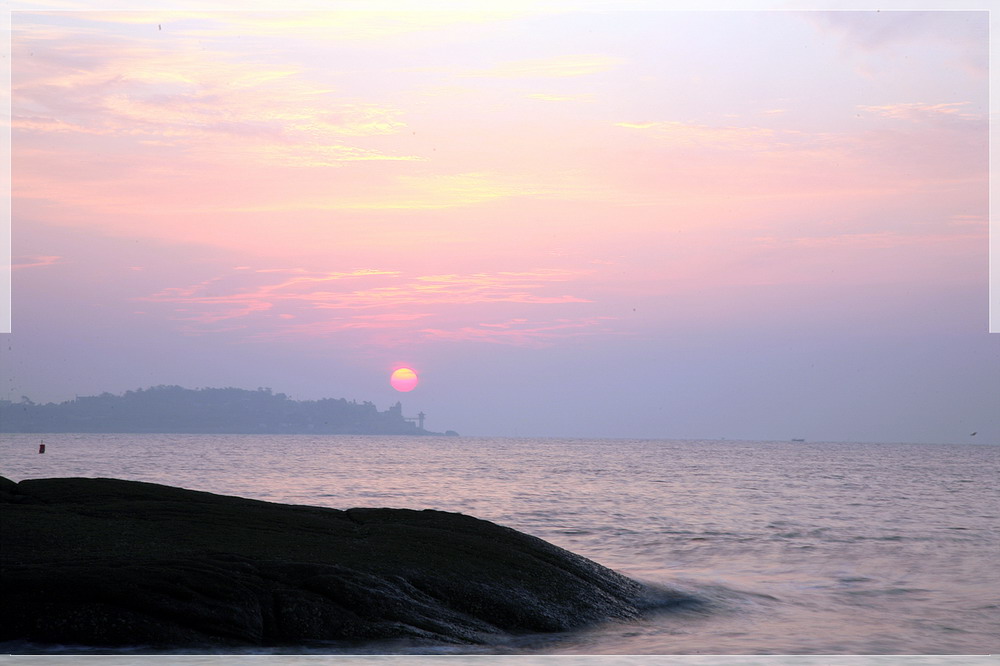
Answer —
(371, 23)
(705, 136)
(877, 29)
(889, 150)
(309, 304)
(547, 97)
(553, 67)
(448, 191)
(921, 111)
(875, 240)
(216, 106)
(307, 156)
(414, 192)
(906, 252)
(521, 331)
(43, 125)
(965, 32)
(34, 261)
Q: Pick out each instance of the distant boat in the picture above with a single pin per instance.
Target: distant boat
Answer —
(798, 440)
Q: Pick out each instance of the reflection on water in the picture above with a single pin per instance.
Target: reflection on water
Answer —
(792, 548)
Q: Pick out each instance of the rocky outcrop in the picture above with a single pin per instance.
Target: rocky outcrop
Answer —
(112, 562)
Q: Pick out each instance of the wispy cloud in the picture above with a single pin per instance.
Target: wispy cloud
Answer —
(878, 240)
(921, 111)
(369, 24)
(688, 134)
(549, 97)
(967, 32)
(449, 190)
(213, 105)
(553, 67)
(354, 25)
(522, 332)
(34, 261)
(416, 192)
(308, 304)
(322, 290)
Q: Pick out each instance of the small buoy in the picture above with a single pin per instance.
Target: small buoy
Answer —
(41, 447)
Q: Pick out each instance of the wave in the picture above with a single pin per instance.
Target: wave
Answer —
(698, 597)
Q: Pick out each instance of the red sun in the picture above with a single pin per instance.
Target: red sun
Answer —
(404, 379)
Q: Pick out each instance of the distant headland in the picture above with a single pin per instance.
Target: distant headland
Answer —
(174, 409)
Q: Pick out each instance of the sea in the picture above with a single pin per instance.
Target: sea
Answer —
(788, 548)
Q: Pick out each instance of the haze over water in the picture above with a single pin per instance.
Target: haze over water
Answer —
(788, 548)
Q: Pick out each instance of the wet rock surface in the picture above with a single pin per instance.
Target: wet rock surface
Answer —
(108, 562)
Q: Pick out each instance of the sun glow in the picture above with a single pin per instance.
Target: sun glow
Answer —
(404, 380)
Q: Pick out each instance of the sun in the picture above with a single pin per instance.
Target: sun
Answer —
(404, 379)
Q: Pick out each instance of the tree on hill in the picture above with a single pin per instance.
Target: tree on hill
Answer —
(174, 409)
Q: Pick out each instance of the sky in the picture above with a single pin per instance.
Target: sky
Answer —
(655, 224)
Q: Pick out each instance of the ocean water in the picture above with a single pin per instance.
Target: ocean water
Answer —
(790, 548)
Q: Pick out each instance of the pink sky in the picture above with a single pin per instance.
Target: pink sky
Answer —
(307, 199)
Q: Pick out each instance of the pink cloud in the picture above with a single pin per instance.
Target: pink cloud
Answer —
(705, 136)
(522, 332)
(283, 160)
(866, 241)
(702, 166)
(311, 304)
(36, 261)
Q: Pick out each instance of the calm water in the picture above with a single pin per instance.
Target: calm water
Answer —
(794, 548)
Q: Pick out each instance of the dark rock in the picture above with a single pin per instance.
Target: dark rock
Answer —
(112, 563)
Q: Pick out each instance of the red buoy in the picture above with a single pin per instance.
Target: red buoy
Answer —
(41, 447)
